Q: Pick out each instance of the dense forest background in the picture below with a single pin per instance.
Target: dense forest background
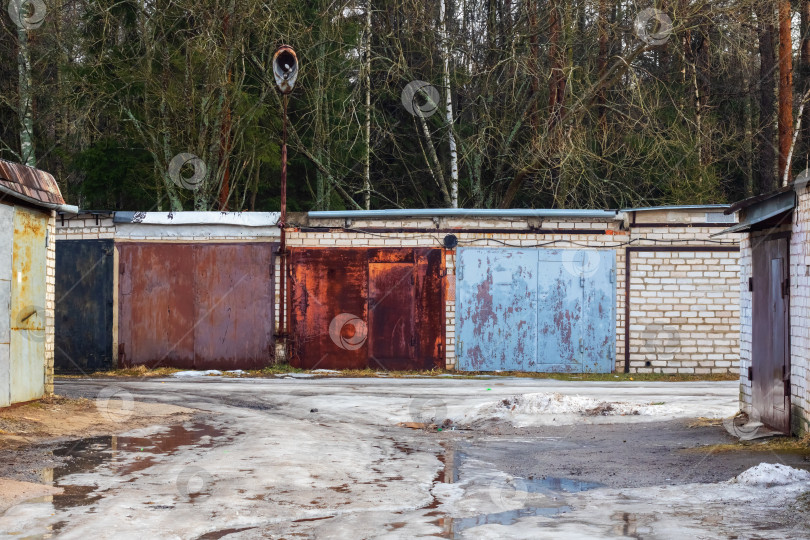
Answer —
(525, 103)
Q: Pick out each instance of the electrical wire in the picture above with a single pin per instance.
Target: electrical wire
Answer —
(539, 244)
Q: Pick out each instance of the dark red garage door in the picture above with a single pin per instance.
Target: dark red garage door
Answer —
(202, 306)
(358, 308)
(770, 354)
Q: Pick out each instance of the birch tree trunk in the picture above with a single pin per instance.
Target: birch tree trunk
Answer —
(449, 106)
(804, 74)
(26, 114)
(367, 172)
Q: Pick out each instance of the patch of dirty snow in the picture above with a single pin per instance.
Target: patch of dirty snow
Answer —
(325, 371)
(189, 374)
(235, 372)
(738, 508)
(544, 408)
(771, 474)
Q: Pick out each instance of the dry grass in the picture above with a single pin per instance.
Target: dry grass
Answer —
(138, 371)
(784, 445)
(705, 422)
(280, 369)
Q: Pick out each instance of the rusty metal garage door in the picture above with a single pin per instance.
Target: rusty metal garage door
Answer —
(84, 306)
(201, 306)
(27, 361)
(358, 308)
(770, 370)
(542, 310)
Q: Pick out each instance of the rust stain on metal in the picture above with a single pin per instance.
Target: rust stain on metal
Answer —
(534, 310)
(30, 182)
(27, 302)
(357, 308)
(205, 306)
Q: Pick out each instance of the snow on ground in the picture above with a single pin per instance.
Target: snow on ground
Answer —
(758, 503)
(553, 408)
(190, 374)
(772, 474)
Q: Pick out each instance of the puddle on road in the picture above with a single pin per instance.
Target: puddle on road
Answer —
(216, 535)
(552, 487)
(116, 452)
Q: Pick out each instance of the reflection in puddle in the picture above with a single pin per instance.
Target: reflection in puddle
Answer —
(508, 517)
(552, 487)
(117, 453)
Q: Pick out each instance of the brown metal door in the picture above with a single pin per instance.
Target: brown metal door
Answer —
(204, 306)
(156, 305)
(770, 338)
(392, 341)
(234, 308)
(328, 310)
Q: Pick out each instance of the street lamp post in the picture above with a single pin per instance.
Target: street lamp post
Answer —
(285, 71)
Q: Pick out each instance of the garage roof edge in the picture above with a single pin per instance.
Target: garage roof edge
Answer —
(463, 213)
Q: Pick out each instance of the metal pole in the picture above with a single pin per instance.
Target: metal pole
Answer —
(284, 168)
(283, 224)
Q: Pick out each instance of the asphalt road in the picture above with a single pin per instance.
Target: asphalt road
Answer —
(326, 458)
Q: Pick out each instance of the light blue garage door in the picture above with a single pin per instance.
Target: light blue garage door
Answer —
(541, 310)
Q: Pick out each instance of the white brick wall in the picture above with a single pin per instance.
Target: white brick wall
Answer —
(50, 302)
(684, 312)
(84, 227)
(800, 312)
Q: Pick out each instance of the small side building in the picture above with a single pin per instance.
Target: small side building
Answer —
(29, 199)
(775, 307)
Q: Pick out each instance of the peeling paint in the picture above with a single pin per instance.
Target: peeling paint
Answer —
(398, 293)
(544, 310)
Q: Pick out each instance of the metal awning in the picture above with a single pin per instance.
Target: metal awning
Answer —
(761, 211)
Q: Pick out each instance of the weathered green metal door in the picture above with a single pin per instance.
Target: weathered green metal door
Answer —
(27, 355)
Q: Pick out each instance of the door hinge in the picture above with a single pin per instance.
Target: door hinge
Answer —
(786, 388)
(460, 272)
(786, 287)
(613, 276)
(582, 281)
(121, 267)
(750, 284)
(459, 348)
(750, 373)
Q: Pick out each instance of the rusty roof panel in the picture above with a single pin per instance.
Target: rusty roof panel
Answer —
(30, 182)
